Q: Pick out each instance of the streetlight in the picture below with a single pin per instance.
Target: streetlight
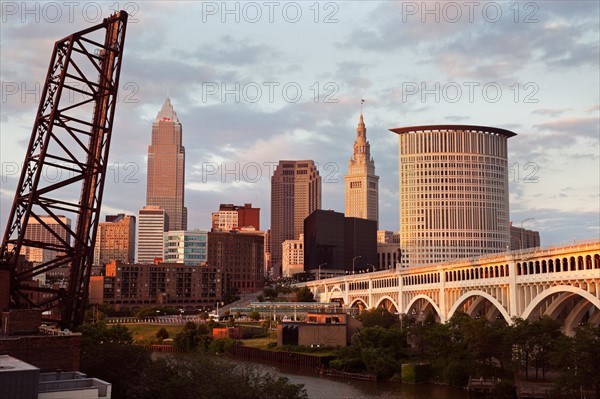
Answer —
(521, 232)
(322, 264)
(353, 261)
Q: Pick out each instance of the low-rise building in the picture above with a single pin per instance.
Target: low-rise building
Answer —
(21, 380)
(389, 256)
(330, 328)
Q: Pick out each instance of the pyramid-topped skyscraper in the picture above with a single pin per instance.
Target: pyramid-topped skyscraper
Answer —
(166, 167)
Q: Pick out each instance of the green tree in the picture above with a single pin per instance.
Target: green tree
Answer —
(99, 333)
(378, 317)
(303, 295)
(203, 378)
(439, 344)
(193, 337)
(545, 331)
(376, 349)
(103, 347)
(578, 362)
(254, 316)
(162, 334)
(524, 344)
(270, 293)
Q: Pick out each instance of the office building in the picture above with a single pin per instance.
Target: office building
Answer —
(235, 217)
(521, 238)
(292, 256)
(295, 193)
(152, 224)
(187, 247)
(166, 167)
(267, 253)
(115, 240)
(362, 185)
(335, 242)
(385, 236)
(239, 256)
(453, 192)
(37, 233)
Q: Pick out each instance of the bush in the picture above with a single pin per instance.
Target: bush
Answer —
(162, 334)
(456, 375)
(221, 345)
(254, 316)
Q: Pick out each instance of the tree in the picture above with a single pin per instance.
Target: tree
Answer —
(523, 343)
(378, 317)
(254, 316)
(99, 333)
(162, 334)
(545, 333)
(203, 378)
(578, 361)
(303, 295)
(375, 349)
(102, 348)
(193, 337)
(439, 344)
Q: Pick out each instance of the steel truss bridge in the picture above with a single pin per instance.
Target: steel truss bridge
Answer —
(562, 282)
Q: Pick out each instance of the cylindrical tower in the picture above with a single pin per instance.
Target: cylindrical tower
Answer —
(453, 192)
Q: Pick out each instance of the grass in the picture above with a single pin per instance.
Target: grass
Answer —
(260, 343)
(147, 332)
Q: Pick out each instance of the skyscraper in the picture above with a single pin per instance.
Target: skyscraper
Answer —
(362, 186)
(166, 167)
(295, 193)
(38, 233)
(152, 224)
(115, 240)
(453, 192)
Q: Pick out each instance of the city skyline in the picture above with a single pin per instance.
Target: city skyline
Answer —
(553, 161)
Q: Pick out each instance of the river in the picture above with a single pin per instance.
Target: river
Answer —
(320, 387)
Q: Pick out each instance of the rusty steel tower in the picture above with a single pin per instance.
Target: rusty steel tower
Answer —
(71, 135)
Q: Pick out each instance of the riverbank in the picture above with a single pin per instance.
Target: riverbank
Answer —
(326, 387)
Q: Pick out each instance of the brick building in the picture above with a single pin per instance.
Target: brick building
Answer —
(239, 256)
(167, 284)
(236, 217)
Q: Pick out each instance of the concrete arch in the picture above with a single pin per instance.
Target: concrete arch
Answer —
(576, 315)
(480, 293)
(428, 299)
(556, 290)
(390, 299)
(357, 302)
(334, 290)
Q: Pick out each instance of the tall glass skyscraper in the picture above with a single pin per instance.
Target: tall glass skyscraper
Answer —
(166, 167)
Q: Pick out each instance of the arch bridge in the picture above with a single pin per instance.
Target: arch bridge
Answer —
(562, 282)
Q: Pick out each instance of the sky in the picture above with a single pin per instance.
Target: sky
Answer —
(257, 82)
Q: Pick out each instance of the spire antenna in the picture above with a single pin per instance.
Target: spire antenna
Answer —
(362, 101)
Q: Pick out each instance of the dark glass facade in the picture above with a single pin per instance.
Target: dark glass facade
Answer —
(331, 238)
